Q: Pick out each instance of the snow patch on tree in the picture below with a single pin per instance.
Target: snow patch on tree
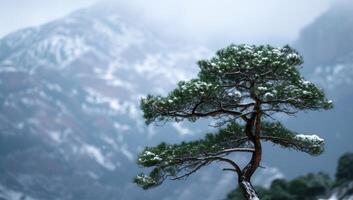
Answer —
(311, 138)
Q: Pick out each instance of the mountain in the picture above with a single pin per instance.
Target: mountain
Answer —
(327, 48)
(311, 186)
(343, 192)
(70, 122)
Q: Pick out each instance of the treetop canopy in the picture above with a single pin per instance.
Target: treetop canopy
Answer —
(230, 83)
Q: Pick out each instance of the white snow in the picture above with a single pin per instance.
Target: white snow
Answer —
(7, 69)
(64, 49)
(181, 129)
(144, 178)
(311, 138)
(111, 78)
(305, 82)
(261, 88)
(97, 154)
(115, 104)
(235, 93)
(55, 136)
(111, 142)
(333, 197)
(149, 154)
(20, 125)
(268, 95)
(93, 175)
(172, 66)
(54, 87)
(129, 155)
(250, 190)
(292, 55)
(334, 77)
(306, 92)
(121, 127)
(7, 193)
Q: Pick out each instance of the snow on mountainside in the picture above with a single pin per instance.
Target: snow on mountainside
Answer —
(327, 48)
(70, 121)
(344, 192)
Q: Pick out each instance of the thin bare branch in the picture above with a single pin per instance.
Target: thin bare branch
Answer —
(191, 172)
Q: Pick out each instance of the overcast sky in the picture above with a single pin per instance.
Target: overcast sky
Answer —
(201, 20)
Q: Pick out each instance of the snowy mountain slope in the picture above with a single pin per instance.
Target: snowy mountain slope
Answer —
(327, 48)
(70, 122)
(326, 45)
(344, 192)
(327, 41)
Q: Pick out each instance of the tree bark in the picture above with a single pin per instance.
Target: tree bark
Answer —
(253, 132)
(247, 189)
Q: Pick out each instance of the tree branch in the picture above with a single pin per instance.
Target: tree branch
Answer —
(191, 172)
(271, 138)
(210, 159)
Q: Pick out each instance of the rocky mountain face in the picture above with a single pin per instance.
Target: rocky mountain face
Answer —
(70, 122)
(344, 192)
(327, 46)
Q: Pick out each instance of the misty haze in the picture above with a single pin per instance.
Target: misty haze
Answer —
(73, 74)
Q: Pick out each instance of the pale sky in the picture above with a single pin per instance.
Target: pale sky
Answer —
(195, 20)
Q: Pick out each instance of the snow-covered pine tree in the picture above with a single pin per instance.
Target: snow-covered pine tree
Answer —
(241, 87)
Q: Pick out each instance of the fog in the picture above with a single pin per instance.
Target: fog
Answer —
(203, 21)
(72, 74)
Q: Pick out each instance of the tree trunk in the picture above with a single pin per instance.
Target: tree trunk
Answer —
(244, 183)
(247, 189)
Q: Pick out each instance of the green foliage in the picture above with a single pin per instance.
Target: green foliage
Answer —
(212, 143)
(183, 97)
(279, 190)
(250, 60)
(170, 160)
(344, 171)
(308, 187)
(241, 82)
(231, 80)
(276, 133)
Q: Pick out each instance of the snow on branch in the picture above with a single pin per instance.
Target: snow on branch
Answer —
(276, 133)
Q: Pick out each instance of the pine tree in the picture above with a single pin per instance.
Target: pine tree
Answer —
(242, 87)
(344, 171)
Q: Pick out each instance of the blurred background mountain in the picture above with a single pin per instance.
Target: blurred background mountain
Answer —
(70, 124)
(311, 186)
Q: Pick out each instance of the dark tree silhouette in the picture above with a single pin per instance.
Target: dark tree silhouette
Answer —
(241, 87)
(308, 187)
(345, 168)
